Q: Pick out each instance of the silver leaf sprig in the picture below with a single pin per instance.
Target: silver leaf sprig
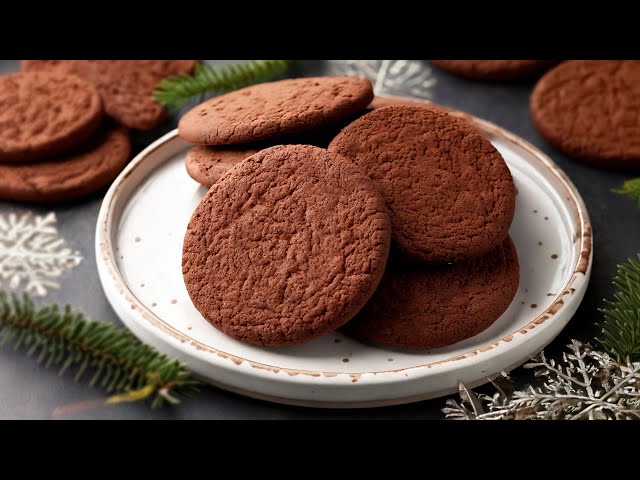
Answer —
(585, 384)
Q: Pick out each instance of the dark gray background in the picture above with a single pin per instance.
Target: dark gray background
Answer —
(29, 391)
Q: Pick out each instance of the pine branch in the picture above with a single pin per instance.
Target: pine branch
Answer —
(621, 325)
(118, 361)
(631, 189)
(177, 91)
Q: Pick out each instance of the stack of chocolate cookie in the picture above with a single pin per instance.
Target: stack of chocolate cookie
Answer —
(125, 86)
(397, 231)
(56, 143)
(230, 128)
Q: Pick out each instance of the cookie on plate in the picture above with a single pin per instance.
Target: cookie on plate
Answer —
(45, 114)
(206, 165)
(588, 109)
(498, 70)
(286, 247)
(71, 176)
(448, 190)
(126, 86)
(423, 307)
(379, 102)
(272, 110)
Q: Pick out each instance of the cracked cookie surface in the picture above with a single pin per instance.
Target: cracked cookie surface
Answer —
(590, 110)
(71, 176)
(275, 109)
(45, 114)
(286, 247)
(422, 307)
(449, 192)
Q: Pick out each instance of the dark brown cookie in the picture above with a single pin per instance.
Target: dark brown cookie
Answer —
(421, 307)
(448, 190)
(380, 102)
(286, 247)
(68, 177)
(207, 164)
(498, 70)
(45, 114)
(590, 110)
(126, 86)
(275, 109)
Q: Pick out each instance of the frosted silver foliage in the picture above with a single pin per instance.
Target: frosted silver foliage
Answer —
(391, 77)
(585, 385)
(32, 254)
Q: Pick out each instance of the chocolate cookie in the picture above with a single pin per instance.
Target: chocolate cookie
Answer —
(380, 102)
(422, 307)
(126, 86)
(272, 110)
(589, 109)
(207, 164)
(68, 177)
(286, 247)
(498, 70)
(45, 114)
(448, 190)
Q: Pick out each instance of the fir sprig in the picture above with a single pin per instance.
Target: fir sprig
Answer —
(621, 325)
(631, 189)
(177, 91)
(118, 362)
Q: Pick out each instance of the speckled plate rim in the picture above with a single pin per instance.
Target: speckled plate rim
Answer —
(140, 319)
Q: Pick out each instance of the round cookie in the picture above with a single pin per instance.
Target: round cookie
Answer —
(421, 307)
(271, 110)
(498, 70)
(206, 165)
(45, 114)
(126, 86)
(449, 192)
(68, 177)
(589, 110)
(379, 102)
(286, 247)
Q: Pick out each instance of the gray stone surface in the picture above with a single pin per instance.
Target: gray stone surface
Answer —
(28, 391)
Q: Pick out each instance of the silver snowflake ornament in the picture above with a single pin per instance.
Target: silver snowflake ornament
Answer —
(399, 77)
(32, 253)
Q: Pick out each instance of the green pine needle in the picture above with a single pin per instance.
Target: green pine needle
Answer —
(120, 363)
(177, 91)
(621, 326)
(631, 189)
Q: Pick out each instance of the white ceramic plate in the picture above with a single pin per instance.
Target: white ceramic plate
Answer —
(139, 243)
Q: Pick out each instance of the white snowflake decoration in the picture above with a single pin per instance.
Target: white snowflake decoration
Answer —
(32, 254)
(411, 77)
